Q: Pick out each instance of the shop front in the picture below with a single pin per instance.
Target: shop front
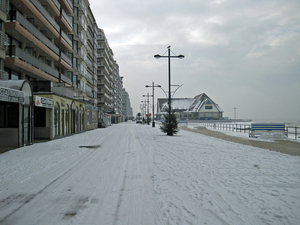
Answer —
(16, 113)
(43, 111)
(91, 117)
(58, 117)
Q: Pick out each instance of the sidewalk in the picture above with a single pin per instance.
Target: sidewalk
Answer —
(283, 146)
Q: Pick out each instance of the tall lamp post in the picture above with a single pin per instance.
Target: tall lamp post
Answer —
(153, 123)
(169, 66)
(147, 116)
(144, 108)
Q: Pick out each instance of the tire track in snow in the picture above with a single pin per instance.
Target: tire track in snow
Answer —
(29, 198)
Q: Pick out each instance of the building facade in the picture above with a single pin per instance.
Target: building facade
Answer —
(201, 107)
(126, 106)
(110, 83)
(52, 45)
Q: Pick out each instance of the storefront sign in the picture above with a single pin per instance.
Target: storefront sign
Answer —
(11, 95)
(43, 102)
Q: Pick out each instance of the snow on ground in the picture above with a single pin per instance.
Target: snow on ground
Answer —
(134, 174)
(268, 136)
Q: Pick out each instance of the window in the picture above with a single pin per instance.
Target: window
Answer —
(208, 107)
(74, 79)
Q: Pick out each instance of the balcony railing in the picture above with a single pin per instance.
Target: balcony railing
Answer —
(44, 12)
(70, 4)
(3, 40)
(67, 18)
(56, 3)
(35, 32)
(4, 5)
(66, 58)
(26, 57)
(4, 75)
(66, 38)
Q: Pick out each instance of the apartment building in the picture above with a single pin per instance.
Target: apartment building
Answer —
(126, 105)
(105, 71)
(110, 83)
(48, 53)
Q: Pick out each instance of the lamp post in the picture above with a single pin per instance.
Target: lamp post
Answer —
(169, 69)
(147, 116)
(153, 123)
(143, 108)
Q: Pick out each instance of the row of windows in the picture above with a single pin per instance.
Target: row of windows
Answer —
(196, 115)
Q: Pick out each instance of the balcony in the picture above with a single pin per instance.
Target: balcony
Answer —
(4, 7)
(3, 41)
(26, 57)
(67, 6)
(64, 21)
(12, 28)
(29, 59)
(4, 75)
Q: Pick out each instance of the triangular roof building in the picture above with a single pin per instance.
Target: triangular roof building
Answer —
(200, 107)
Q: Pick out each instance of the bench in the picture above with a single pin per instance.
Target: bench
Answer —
(260, 128)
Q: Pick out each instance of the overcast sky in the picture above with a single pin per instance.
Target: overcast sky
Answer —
(241, 53)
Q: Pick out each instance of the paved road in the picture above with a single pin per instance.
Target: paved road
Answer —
(283, 146)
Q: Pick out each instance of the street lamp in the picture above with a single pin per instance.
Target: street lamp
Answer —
(169, 66)
(147, 116)
(144, 108)
(153, 123)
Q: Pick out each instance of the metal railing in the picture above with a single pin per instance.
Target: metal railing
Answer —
(35, 32)
(26, 57)
(4, 75)
(292, 132)
(44, 12)
(4, 5)
(3, 41)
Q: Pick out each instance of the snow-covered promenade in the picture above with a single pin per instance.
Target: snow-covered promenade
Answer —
(134, 174)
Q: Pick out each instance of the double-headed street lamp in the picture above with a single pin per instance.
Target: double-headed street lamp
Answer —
(169, 63)
(153, 123)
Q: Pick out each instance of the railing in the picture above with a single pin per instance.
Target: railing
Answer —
(3, 41)
(56, 3)
(70, 4)
(4, 5)
(66, 38)
(26, 57)
(66, 58)
(44, 12)
(67, 18)
(4, 75)
(35, 32)
(292, 132)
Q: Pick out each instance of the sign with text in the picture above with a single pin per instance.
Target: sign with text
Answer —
(12, 95)
(43, 102)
